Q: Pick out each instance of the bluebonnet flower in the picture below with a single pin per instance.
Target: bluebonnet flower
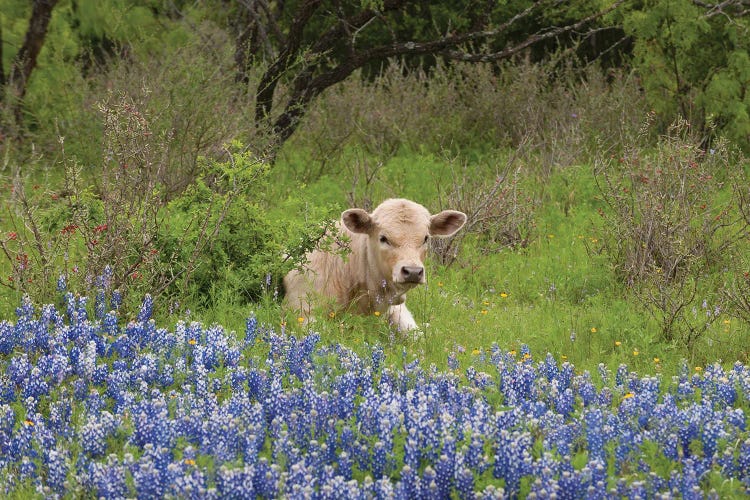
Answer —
(266, 479)
(19, 369)
(251, 330)
(328, 417)
(96, 430)
(109, 478)
(594, 433)
(147, 308)
(453, 363)
(35, 386)
(100, 304)
(236, 483)
(62, 283)
(57, 466)
(115, 300)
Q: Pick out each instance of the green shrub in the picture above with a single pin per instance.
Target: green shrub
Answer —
(222, 237)
(693, 62)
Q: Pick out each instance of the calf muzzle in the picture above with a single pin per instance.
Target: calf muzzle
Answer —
(412, 274)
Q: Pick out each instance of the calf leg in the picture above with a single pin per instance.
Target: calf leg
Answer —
(400, 316)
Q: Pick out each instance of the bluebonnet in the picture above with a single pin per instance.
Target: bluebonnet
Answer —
(211, 415)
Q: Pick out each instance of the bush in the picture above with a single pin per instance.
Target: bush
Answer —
(220, 236)
(72, 233)
(499, 213)
(565, 114)
(671, 219)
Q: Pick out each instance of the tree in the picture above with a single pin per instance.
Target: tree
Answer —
(310, 45)
(693, 58)
(14, 85)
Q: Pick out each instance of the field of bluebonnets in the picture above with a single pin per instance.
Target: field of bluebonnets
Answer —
(93, 405)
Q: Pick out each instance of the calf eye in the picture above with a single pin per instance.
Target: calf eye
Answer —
(425, 239)
(384, 240)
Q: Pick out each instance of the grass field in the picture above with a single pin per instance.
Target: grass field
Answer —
(558, 295)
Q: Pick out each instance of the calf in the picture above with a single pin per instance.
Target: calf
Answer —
(387, 250)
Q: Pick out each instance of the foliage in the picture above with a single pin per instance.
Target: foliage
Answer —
(465, 110)
(216, 235)
(693, 62)
(75, 232)
(668, 225)
(220, 238)
(91, 404)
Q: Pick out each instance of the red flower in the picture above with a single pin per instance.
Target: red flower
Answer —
(69, 229)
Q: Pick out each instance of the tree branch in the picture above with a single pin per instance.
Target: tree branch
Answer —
(291, 49)
(307, 84)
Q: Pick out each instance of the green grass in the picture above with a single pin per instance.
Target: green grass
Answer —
(558, 295)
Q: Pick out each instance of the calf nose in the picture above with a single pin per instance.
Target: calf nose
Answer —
(412, 274)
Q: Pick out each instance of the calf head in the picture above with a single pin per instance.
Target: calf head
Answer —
(398, 231)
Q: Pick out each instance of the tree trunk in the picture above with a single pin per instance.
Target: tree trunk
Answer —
(26, 58)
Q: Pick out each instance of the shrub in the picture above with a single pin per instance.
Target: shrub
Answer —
(671, 218)
(217, 235)
(220, 235)
(73, 233)
(565, 113)
(499, 212)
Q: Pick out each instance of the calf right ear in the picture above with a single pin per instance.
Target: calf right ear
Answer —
(357, 221)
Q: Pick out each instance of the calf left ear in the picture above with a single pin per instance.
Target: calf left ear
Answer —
(357, 220)
(447, 223)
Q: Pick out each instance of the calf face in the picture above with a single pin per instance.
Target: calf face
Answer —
(398, 232)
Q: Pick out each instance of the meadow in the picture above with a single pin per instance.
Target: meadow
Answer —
(145, 349)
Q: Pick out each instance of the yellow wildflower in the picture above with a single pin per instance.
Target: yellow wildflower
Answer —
(504, 295)
(618, 343)
(191, 342)
(628, 395)
(189, 461)
(593, 329)
(300, 320)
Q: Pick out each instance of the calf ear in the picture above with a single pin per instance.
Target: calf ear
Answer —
(447, 223)
(357, 220)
